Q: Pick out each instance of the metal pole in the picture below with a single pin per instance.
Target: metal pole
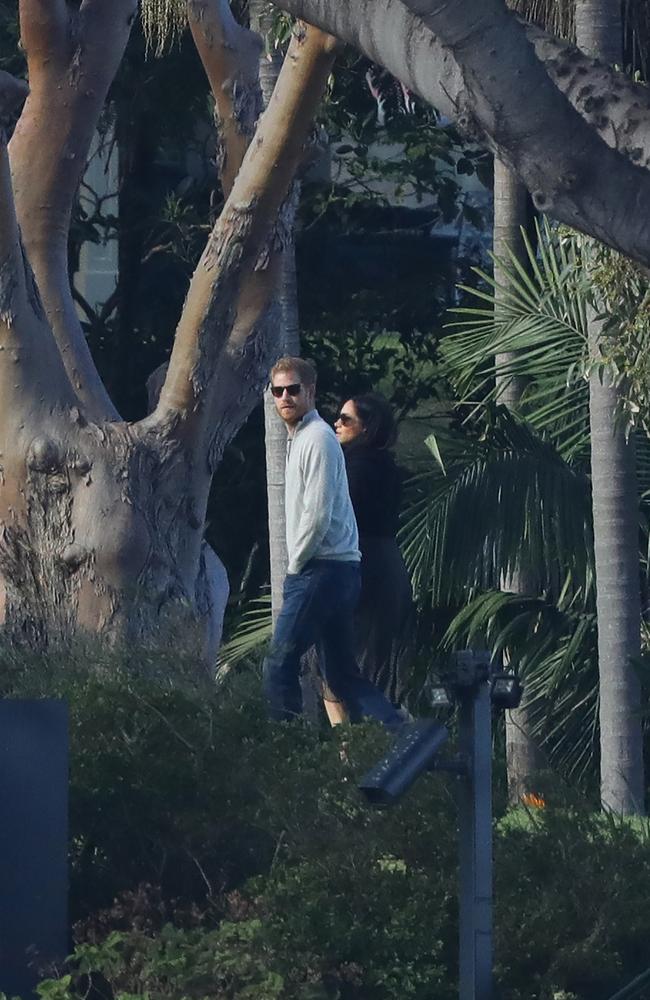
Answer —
(475, 843)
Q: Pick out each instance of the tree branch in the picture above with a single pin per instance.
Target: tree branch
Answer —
(12, 272)
(230, 55)
(238, 237)
(30, 365)
(566, 166)
(49, 151)
(485, 82)
(614, 105)
(43, 27)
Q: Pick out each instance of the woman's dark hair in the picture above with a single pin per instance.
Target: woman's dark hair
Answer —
(376, 415)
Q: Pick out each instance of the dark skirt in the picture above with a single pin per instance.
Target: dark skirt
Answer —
(385, 616)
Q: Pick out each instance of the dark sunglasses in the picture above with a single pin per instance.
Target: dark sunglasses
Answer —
(346, 419)
(279, 390)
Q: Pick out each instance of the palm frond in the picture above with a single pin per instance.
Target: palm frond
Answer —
(249, 635)
(553, 649)
(531, 327)
(503, 503)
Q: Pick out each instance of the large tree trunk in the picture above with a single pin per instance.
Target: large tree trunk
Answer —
(101, 522)
(615, 511)
(523, 758)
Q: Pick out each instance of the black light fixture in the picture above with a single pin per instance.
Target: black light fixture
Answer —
(505, 690)
(441, 696)
(413, 753)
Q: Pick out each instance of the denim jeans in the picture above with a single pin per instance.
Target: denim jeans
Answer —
(317, 608)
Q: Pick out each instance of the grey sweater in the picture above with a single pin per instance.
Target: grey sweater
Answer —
(319, 515)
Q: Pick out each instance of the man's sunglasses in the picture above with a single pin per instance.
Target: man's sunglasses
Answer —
(279, 390)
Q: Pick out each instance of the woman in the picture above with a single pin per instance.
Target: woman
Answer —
(366, 430)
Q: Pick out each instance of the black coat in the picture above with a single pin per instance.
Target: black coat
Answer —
(375, 483)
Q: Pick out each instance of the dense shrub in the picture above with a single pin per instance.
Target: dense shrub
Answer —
(217, 855)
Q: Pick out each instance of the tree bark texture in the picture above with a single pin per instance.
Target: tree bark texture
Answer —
(73, 54)
(287, 343)
(510, 212)
(615, 511)
(275, 434)
(581, 147)
(616, 549)
(101, 521)
(523, 757)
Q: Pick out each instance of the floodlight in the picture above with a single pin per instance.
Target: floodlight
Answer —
(506, 690)
(441, 696)
(413, 753)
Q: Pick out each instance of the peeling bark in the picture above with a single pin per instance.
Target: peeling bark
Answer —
(230, 55)
(95, 541)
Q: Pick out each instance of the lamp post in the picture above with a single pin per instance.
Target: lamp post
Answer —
(475, 834)
(475, 688)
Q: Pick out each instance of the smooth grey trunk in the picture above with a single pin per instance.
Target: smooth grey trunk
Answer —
(288, 342)
(616, 548)
(523, 758)
(599, 32)
(510, 201)
(615, 513)
(276, 434)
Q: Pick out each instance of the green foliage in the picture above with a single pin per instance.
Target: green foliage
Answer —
(252, 630)
(217, 855)
(566, 852)
(495, 499)
(621, 297)
(507, 497)
(537, 335)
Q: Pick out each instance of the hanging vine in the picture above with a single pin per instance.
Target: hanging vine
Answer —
(163, 22)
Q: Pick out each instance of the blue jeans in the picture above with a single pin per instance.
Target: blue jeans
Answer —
(318, 604)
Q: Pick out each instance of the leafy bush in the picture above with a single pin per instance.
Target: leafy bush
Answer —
(217, 855)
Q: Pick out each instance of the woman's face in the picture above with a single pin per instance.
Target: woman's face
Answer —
(347, 425)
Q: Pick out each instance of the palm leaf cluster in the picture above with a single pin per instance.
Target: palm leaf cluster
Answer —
(508, 495)
(541, 326)
(552, 644)
(250, 632)
(492, 507)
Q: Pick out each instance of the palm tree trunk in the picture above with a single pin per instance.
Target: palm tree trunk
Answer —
(288, 342)
(523, 758)
(615, 510)
(275, 432)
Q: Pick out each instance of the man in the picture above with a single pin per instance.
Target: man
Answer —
(322, 584)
